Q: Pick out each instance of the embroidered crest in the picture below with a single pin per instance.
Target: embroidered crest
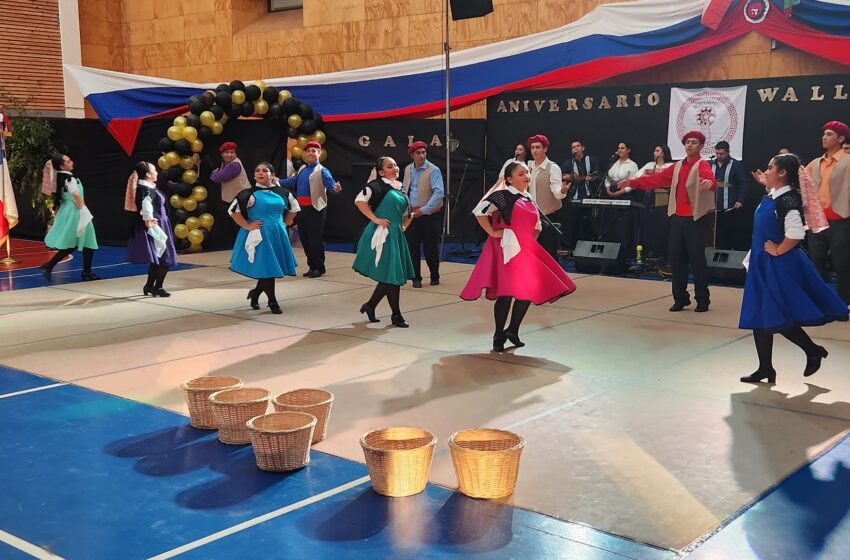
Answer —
(755, 11)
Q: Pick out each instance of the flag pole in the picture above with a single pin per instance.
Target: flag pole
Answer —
(9, 261)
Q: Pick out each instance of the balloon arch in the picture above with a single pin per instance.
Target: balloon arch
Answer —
(207, 115)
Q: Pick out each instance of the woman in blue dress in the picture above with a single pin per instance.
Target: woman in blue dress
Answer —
(72, 227)
(783, 291)
(152, 240)
(262, 250)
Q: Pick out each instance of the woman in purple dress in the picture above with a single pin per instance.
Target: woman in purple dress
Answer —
(152, 240)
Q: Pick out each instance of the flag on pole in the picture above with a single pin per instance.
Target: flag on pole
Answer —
(8, 207)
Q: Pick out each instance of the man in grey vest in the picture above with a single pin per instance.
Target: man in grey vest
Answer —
(312, 184)
(423, 185)
(831, 176)
(547, 188)
(691, 206)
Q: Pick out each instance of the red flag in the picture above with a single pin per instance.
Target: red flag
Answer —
(4, 224)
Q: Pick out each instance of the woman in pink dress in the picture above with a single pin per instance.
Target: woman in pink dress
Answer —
(513, 266)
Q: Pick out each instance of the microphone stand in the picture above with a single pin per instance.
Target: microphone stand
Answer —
(463, 251)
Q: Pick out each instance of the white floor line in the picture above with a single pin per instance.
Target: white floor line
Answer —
(33, 390)
(29, 548)
(257, 520)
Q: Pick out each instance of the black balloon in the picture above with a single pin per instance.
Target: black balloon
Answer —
(222, 87)
(275, 111)
(171, 187)
(194, 121)
(193, 99)
(184, 189)
(197, 107)
(174, 173)
(237, 85)
(205, 231)
(166, 145)
(223, 98)
(252, 92)
(181, 244)
(207, 99)
(183, 147)
(306, 112)
(247, 108)
(291, 106)
(308, 127)
(180, 215)
(202, 207)
(235, 111)
(292, 132)
(270, 94)
(319, 119)
(217, 111)
(205, 134)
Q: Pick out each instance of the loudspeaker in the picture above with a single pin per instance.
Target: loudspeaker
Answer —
(466, 9)
(599, 256)
(726, 265)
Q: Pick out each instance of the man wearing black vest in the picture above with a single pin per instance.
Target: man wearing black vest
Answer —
(423, 185)
(582, 171)
(732, 183)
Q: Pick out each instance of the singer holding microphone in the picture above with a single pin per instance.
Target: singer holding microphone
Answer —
(624, 229)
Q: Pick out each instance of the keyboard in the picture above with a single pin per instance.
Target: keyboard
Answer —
(608, 202)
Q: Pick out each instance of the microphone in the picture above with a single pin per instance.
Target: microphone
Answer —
(469, 160)
(615, 155)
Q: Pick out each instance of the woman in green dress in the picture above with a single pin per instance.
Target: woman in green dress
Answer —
(382, 253)
(72, 226)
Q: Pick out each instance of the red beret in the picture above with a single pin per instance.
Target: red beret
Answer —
(695, 134)
(312, 144)
(839, 128)
(538, 138)
(227, 146)
(416, 146)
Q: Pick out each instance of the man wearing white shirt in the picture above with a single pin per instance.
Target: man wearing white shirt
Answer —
(547, 189)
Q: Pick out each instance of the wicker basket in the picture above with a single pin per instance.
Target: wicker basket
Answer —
(312, 401)
(233, 408)
(398, 459)
(197, 392)
(486, 461)
(281, 440)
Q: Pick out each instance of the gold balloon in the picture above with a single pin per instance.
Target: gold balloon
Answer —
(302, 139)
(319, 137)
(217, 128)
(196, 236)
(162, 162)
(323, 155)
(297, 152)
(197, 146)
(193, 249)
(283, 95)
(190, 177)
(189, 205)
(176, 201)
(238, 97)
(262, 107)
(199, 193)
(186, 162)
(173, 158)
(176, 132)
(193, 223)
(180, 230)
(224, 118)
(180, 122)
(207, 118)
(206, 220)
(260, 84)
(294, 121)
(190, 133)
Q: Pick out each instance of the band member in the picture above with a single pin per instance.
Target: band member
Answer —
(581, 172)
(520, 156)
(513, 267)
(831, 176)
(690, 208)
(547, 189)
(423, 185)
(624, 229)
(655, 225)
(311, 183)
(783, 291)
(732, 183)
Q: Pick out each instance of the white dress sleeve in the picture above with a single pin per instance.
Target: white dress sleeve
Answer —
(364, 196)
(484, 208)
(147, 209)
(794, 225)
(293, 204)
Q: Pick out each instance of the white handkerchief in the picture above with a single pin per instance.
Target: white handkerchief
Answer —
(510, 245)
(253, 239)
(85, 219)
(160, 239)
(746, 261)
(378, 239)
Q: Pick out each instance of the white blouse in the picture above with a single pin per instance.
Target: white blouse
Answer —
(619, 171)
(651, 168)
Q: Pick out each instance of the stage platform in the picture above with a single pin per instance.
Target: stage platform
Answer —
(641, 441)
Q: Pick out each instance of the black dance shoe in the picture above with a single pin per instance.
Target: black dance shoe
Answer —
(90, 275)
(679, 306)
(417, 283)
(275, 308)
(514, 338)
(499, 342)
(759, 377)
(46, 271)
(370, 312)
(399, 321)
(813, 361)
(254, 296)
(435, 281)
(161, 292)
(149, 290)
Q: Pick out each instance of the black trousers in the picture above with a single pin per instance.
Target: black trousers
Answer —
(425, 231)
(687, 248)
(730, 230)
(311, 230)
(833, 245)
(549, 237)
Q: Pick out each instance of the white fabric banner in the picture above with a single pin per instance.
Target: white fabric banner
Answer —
(716, 112)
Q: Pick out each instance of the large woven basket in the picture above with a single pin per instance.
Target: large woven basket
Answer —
(233, 408)
(398, 459)
(281, 440)
(197, 392)
(312, 401)
(486, 461)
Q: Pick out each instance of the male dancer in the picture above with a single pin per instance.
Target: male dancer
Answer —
(423, 184)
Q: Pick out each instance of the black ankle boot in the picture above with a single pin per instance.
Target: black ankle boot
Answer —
(370, 312)
(254, 296)
(813, 361)
(758, 377)
(513, 336)
(399, 321)
(46, 270)
(499, 342)
(149, 290)
(89, 275)
(161, 292)
(275, 308)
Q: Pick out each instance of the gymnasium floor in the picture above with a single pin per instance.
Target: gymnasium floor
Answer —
(641, 443)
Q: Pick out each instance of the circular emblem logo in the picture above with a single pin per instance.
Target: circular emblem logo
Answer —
(713, 113)
(755, 11)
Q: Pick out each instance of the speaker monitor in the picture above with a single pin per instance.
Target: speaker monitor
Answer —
(466, 9)
(599, 256)
(725, 265)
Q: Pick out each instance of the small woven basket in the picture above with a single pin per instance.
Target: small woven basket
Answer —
(312, 401)
(486, 461)
(398, 459)
(281, 440)
(197, 392)
(233, 408)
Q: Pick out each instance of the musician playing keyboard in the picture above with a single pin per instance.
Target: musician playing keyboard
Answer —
(583, 173)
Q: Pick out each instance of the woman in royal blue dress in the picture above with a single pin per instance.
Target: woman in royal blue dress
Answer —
(262, 250)
(783, 291)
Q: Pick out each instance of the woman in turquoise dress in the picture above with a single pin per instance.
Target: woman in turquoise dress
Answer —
(262, 250)
(72, 227)
(382, 252)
